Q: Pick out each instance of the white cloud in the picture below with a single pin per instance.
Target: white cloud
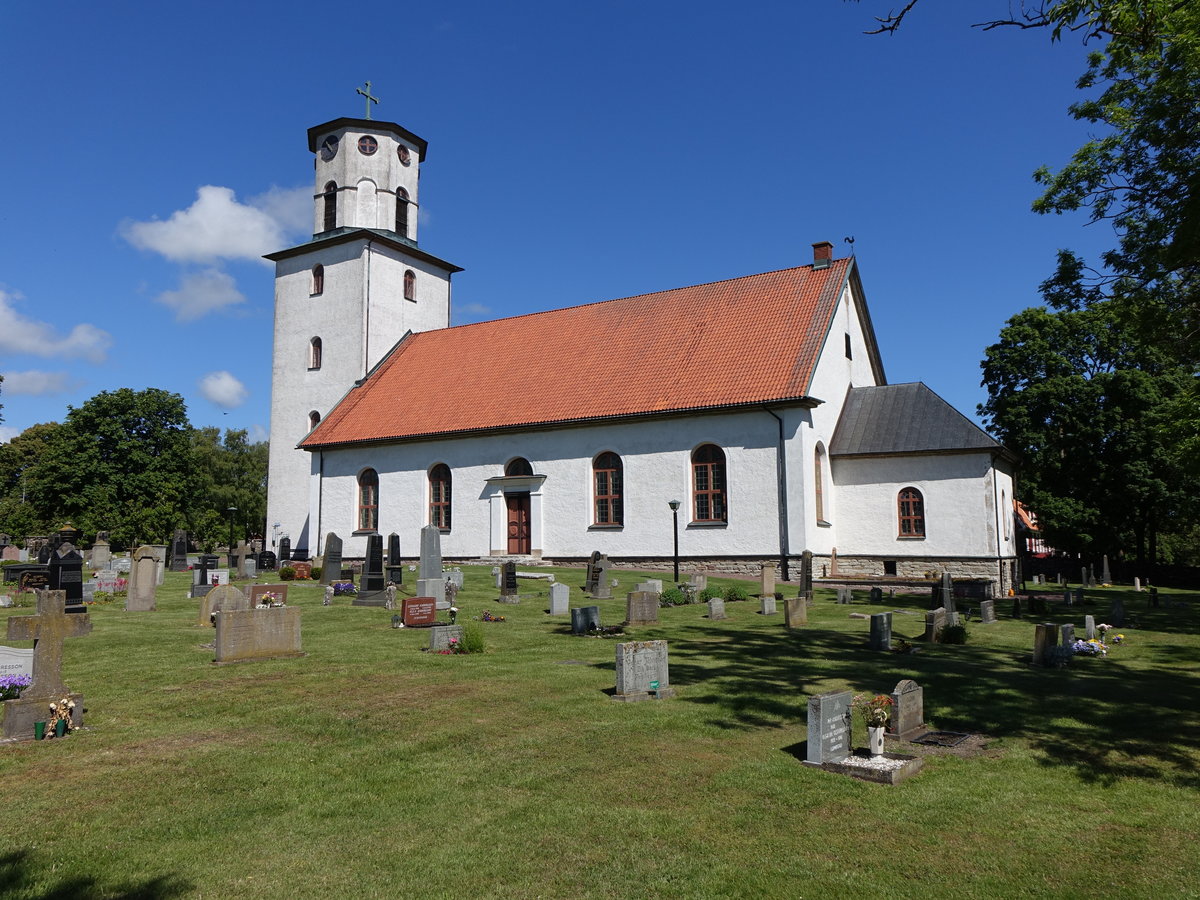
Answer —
(223, 389)
(7, 434)
(470, 312)
(201, 293)
(34, 383)
(258, 434)
(218, 227)
(22, 335)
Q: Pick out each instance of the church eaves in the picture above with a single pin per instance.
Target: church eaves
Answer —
(727, 344)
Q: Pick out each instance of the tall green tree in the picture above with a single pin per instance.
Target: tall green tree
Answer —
(122, 463)
(230, 471)
(25, 508)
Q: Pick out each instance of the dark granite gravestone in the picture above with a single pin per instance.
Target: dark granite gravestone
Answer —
(48, 629)
(331, 569)
(373, 579)
(1116, 614)
(881, 631)
(589, 583)
(44, 553)
(828, 728)
(585, 619)
(876, 594)
(1154, 597)
(31, 577)
(1016, 613)
(393, 550)
(1105, 574)
(285, 549)
(908, 710)
(845, 595)
(5, 540)
(508, 587)
(266, 561)
(66, 574)
(179, 551)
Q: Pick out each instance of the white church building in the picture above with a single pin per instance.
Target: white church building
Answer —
(751, 418)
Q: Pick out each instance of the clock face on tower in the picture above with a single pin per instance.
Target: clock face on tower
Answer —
(329, 148)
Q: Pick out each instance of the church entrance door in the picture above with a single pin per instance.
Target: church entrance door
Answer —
(518, 523)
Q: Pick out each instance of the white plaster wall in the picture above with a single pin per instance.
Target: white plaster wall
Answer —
(959, 495)
(656, 456)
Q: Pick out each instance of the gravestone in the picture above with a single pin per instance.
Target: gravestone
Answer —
(768, 606)
(107, 582)
(121, 564)
(420, 611)
(1089, 626)
(987, 612)
(876, 595)
(331, 571)
(1016, 613)
(244, 635)
(373, 580)
(508, 584)
(1066, 635)
(285, 549)
(598, 583)
(143, 580)
(716, 608)
(48, 629)
(653, 585)
(266, 561)
(642, 671)
(259, 592)
(238, 562)
(767, 583)
(908, 710)
(828, 728)
(455, 577)
(441, 635)
(1105, 574)
(16, 661)
(641, 608)
(698, 581)
(1068, 598)
(1045, 638)
(948, 593)
(101, 554)
(1137, 585)
(220, 598)
(179, 551)
(585, 619)
(590, 579)
(66, 574)
(33, 577)
(935, 620)
(1083, 577)
(1091, 582)
(393, 552)
(881, 631)
(1154, 597)
(845, 595)
(431, 553)
(795, 612)
(806, 573)
(1116, 613)
(560, 597)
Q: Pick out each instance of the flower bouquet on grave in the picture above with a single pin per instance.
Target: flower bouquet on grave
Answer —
(344, 587)
(489, 617)
(1118, 639)
(877, 709)
(12, 685)
(1093, 647)
(269, 599)
(455, 647)
(60, 715)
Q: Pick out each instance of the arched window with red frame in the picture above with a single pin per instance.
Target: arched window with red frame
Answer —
(911, 513)
(410, 284)
(368, 500)
(318, 279)
(439, 496)
(709, 501)
(608, 506)
(314, 353)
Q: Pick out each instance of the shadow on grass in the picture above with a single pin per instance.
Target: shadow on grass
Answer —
(1137, 723)
(19, 877)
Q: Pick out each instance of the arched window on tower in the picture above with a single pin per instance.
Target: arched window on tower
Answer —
(401, 212)
(330, 199)
(314, 419)
(911, 511)
(606, 481)
(314, 353)
(318, 279)
(518, 466)
(368, 500)
(439, 496)
(708, 484)
(410, 284)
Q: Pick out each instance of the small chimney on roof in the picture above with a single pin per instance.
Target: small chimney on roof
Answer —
(822, 255)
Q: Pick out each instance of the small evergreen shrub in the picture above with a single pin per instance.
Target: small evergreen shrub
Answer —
(472, 639)
(952, 634)
(672, 596)
(315, 574)
(709, 593)
(735, 592)
(287, 573)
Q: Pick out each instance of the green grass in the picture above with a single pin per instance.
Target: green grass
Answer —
(369, 768)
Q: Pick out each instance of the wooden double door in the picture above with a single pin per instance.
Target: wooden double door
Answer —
(518, 523)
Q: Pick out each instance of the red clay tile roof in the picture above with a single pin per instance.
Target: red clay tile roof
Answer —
(745, 341)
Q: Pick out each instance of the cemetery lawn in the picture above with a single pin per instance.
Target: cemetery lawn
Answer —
(371, 769)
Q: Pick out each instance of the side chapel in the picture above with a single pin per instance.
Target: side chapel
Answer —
(759, 404)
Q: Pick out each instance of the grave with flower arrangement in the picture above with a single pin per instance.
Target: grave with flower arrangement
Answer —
(48, 629)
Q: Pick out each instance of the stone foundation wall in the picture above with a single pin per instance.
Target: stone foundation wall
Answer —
(999, 572)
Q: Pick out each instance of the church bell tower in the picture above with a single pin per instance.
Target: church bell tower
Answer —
(343, 299)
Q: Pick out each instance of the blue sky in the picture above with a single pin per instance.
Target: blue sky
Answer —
(578, 152)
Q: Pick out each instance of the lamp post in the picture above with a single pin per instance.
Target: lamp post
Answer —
(674, 504)
(231, 511)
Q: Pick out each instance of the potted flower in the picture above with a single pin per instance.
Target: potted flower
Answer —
(877, 710)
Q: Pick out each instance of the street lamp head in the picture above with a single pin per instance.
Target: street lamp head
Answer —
(674, 504)
(231, 509)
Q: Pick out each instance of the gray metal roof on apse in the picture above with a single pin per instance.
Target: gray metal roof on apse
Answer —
(904, 418)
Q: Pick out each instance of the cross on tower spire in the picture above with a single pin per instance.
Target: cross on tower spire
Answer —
(370, 99)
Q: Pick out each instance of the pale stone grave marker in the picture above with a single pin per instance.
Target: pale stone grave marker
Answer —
(642, 671)
(795, 612)
(767, 581)
(16, 661)
(768, 606)
(560, 597)
(987, 612)
(641, 608)
(935, 620)
(716, 608)
(1067, 635)
(251, 634)
(431, 553)
(441, 635)
(828, 728)
(143, 580)
(220, 598)
(908, 710)
(1089, 625)
(845, 595)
